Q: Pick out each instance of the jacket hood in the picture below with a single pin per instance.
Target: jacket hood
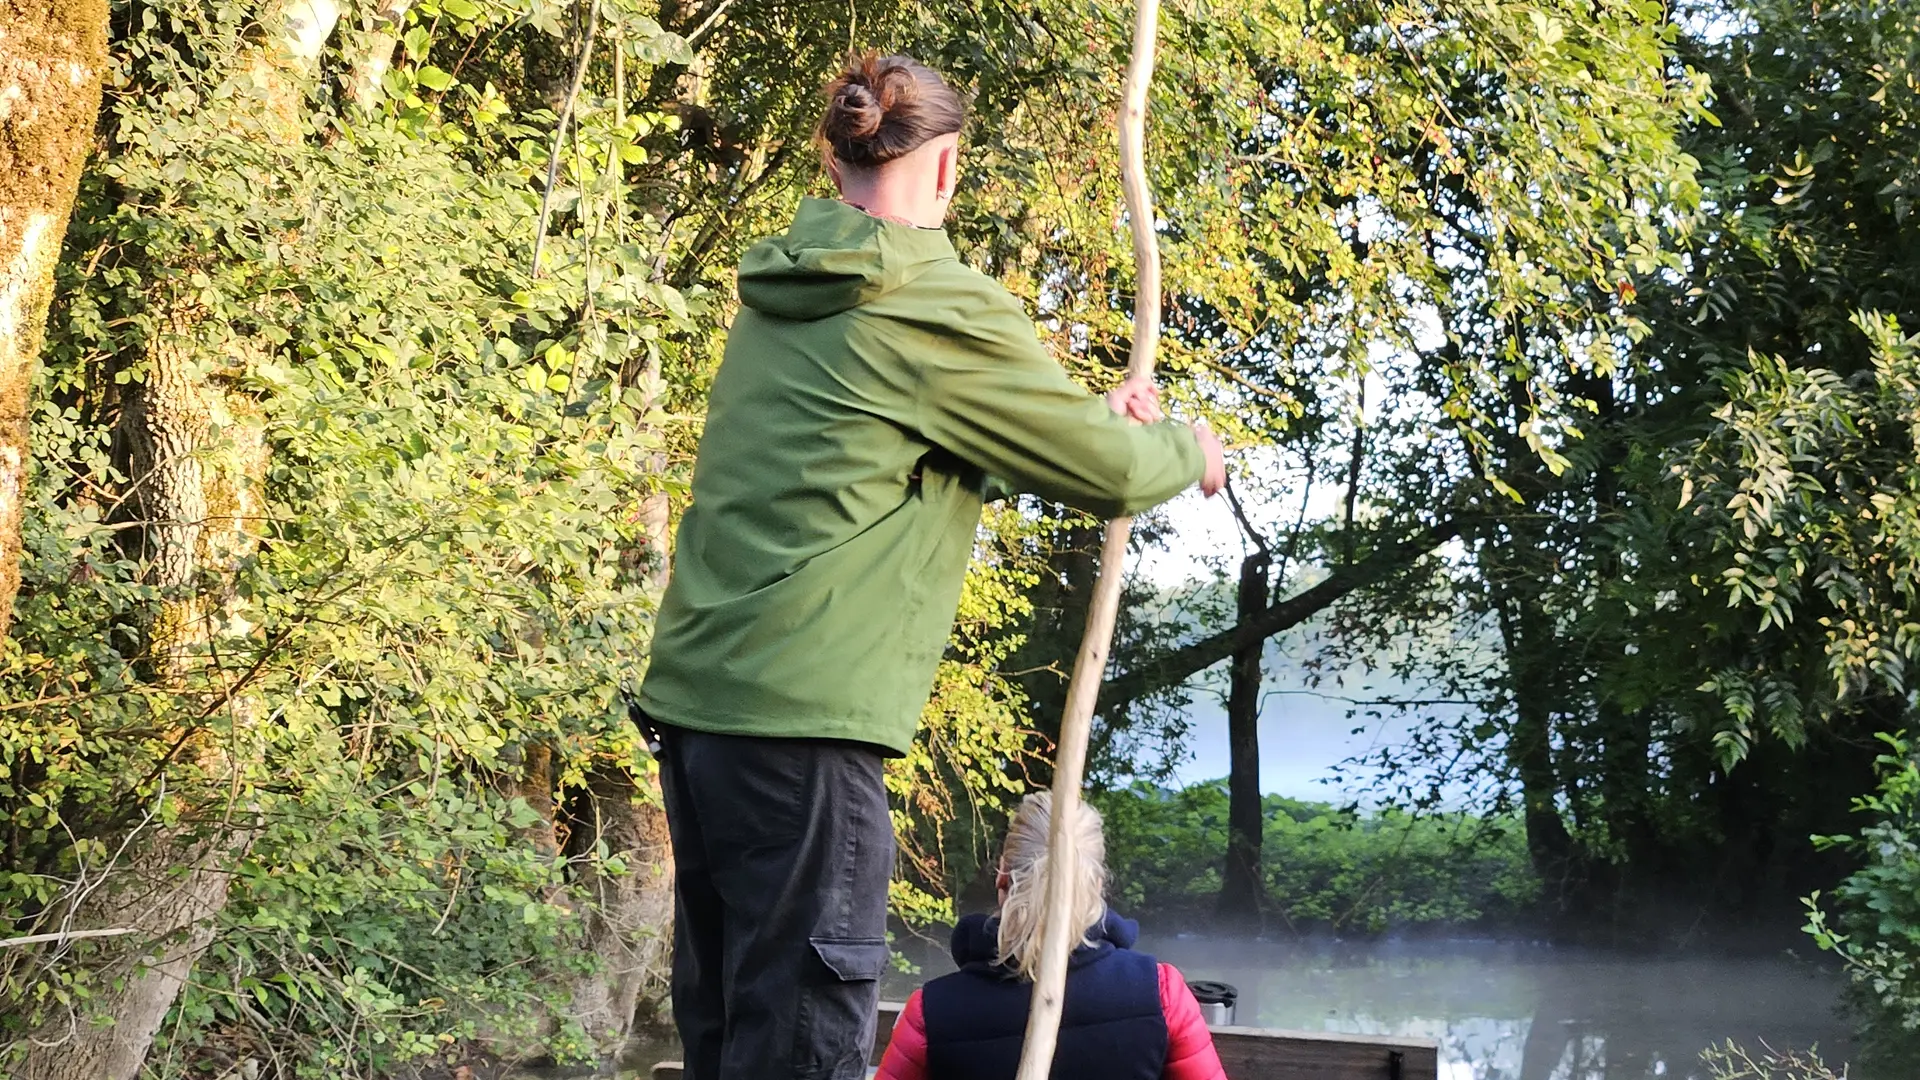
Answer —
(976, 940)
(834, 258)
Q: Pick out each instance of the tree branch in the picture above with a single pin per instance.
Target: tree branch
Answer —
(1246, 526)
(1189, 660)
(63, 936)
(560, 134)
(715, 228)
(705, 22)
(1353, 465)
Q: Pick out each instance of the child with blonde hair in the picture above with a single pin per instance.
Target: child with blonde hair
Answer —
(1127, 1016)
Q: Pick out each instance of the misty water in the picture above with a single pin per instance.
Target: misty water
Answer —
(1500, 1010)
(1508, 1011)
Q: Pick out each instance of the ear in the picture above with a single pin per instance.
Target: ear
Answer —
(947, 175)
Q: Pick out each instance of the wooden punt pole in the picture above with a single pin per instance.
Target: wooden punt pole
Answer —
(1057, 936)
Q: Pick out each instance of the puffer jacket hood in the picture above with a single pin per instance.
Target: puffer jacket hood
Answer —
(833, 259)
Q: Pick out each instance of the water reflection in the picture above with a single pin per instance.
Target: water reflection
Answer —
(1521, 1012)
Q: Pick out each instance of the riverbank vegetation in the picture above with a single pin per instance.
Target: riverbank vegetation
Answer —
(1331, 870)
(1572, 342)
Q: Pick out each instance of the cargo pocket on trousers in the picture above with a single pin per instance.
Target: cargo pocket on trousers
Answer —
(833, 1035)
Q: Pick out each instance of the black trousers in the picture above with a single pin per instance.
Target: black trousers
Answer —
(782, 850)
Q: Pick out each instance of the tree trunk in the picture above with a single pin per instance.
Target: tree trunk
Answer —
(171, 919)
(537, 788)
(1530, 742)
(371, 52)
(1060, 601)
(1626, 786)
(168, 893)
(195, 456)
(1242, 887)
(51, 59)
(632, 929)
(629, 918)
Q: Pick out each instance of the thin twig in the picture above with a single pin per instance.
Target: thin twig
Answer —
(560, 133)
(616, 165)
(710, 23)
(63, 936)
(1246, 524)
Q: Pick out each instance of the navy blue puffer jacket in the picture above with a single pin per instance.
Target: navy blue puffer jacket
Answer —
(1113, 1027)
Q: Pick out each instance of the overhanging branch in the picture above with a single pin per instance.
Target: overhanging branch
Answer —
(1189, 660)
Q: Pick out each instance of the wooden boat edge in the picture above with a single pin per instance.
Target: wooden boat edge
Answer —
(889, 1010)
(1255, 1053)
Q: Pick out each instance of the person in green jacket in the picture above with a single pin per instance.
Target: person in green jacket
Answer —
(874, 391)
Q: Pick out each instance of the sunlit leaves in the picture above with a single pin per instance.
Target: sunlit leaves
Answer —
(1810, 486)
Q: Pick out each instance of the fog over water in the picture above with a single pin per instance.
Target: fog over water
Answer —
(1507, 1010)
(1526, 1012)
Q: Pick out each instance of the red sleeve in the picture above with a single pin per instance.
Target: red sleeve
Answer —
(1190, 1052)
(906, 1056)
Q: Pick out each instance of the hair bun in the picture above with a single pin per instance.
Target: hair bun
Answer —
(883, 106)
(892, 79)
(853, 113)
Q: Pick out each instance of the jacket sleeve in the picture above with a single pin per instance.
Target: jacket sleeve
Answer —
(906, 1056)
(1190, 1052)
(992, 396)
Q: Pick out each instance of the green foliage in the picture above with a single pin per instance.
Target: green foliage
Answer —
(1519, 218)
(450, 571)
(1872, 919)
(1810, 486)
(1794, 313)
(444, 572)
(1704, 612)
(1449, 203)
(1325, 868)
(366, 933)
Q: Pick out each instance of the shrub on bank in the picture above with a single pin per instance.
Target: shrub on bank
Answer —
(1326, 868)
(1872, 920)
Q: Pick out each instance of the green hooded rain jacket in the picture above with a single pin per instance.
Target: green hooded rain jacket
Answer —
(871, 383)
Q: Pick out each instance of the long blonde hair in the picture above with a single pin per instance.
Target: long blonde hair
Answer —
(1026, 862)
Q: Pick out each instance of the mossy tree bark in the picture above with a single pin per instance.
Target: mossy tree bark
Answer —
(370, 52)
(629, 927)
(195, 456)
(52, 53)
